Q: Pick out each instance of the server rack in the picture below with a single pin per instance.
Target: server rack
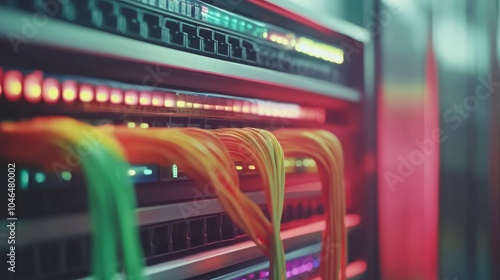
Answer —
(178, 51)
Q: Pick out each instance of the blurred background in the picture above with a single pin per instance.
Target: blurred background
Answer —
(435, 71)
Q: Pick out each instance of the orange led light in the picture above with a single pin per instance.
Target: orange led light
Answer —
(13, 85)
(254, 109)
(102, 94)
(169, 101)
(69, 91)
(86, 93)
(33, 88)
(145, 99)
(131, 97)
(197, 105)
(116, 96)
(50, 90)
(157, 100)
(181, 103)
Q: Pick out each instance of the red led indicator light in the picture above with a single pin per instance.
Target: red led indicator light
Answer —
(157, 100)
(12, 85)
(33, 87)
(86, 93)
(145, 99)
(131, 97)
(102, 94)
(116, 96)
(50, 90)
(169, 101)
(69, 91)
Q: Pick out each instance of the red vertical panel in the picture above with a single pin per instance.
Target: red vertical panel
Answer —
(431, 186)
(408, 144)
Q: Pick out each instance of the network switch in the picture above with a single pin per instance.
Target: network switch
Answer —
(206, 30)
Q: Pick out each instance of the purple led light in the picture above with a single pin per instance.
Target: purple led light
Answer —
(294, 267)
(302, 268)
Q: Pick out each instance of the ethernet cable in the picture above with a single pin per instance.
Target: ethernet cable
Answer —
(206, 160)
(260, 147)
(45, 142)
(326, 150)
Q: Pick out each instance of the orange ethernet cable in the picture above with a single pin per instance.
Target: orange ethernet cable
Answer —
(260, 148)
(205, 159)
(326, 149)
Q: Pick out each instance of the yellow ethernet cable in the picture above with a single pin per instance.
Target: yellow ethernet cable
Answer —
(46, 142)
(260, 148)
(325, 149)
(205, 159)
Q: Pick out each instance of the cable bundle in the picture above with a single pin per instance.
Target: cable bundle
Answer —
(46, 142)
(205, 159)
(326, 150)
(260, 147)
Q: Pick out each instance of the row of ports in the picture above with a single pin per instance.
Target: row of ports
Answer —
(208, 40)
(39, 180)
(72, 256)
(178, 236)
(139, 23)
(132, 21)
(297, 63)
(52, 260)
(50, 194)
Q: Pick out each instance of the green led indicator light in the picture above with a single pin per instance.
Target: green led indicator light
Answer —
(148, 171)
(174, 171)
(131, 172)
(24, 179)
(66, 175)
(40, 177)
